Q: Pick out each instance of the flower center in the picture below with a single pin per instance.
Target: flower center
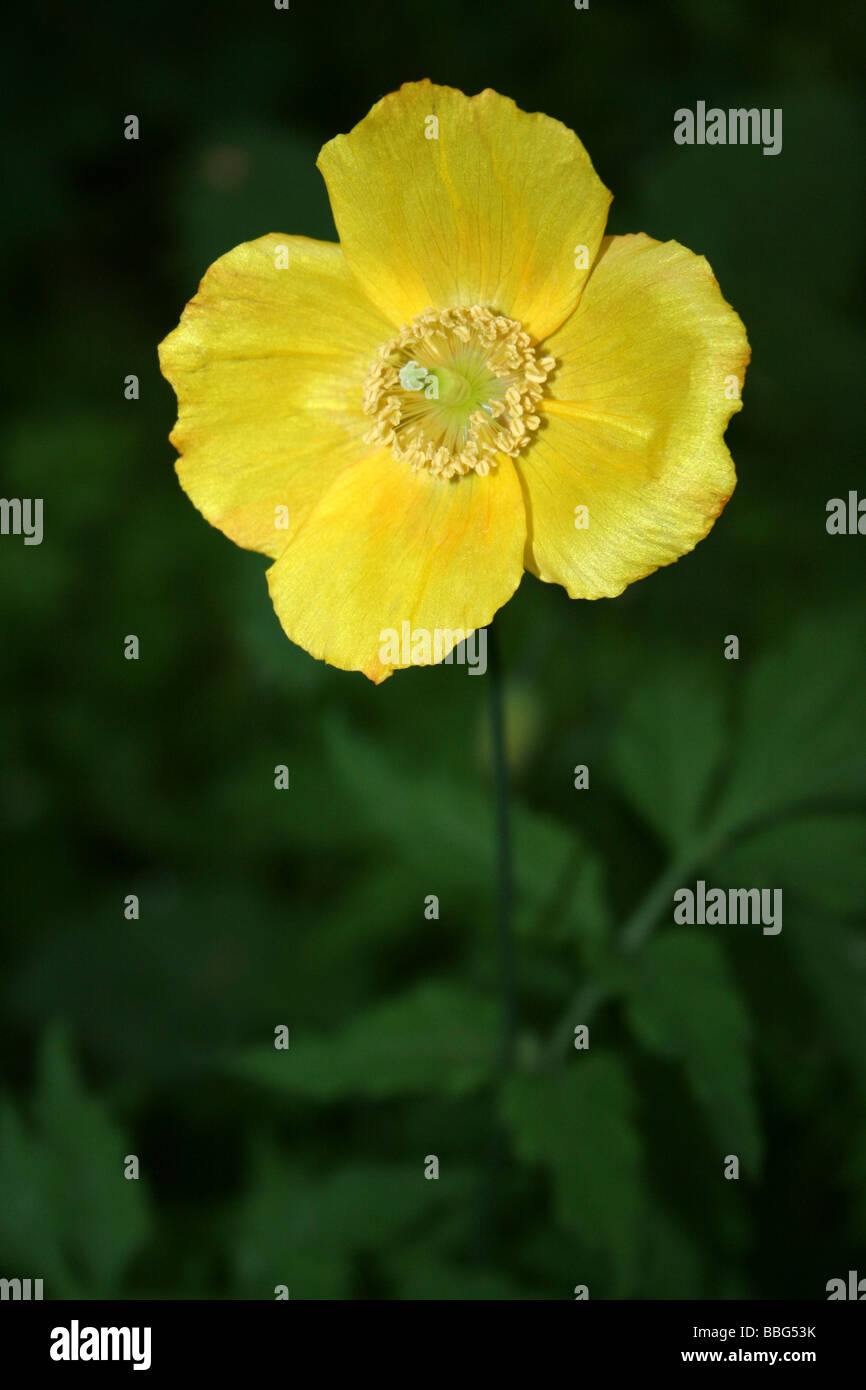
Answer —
(455, 389)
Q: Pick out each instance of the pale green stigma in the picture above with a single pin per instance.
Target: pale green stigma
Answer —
(415, 378)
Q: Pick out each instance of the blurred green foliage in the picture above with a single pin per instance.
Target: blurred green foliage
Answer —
(306, 908)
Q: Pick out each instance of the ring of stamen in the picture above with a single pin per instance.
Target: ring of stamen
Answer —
(454, 389)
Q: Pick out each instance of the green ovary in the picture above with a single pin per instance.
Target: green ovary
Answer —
(465, 387)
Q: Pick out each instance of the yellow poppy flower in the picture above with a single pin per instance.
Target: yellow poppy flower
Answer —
(473, 382)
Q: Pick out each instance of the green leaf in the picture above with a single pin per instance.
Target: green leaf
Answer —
(578, 1123)
(87, 1218)
(670, 1265)
(439, 1037)
(821, 857)
(832, 962)
(302, 1231)
(855, 1179)
(800, 738)
(668, 749)
(423, 1280)
(802, 731)
(101, 1212)
(446, 829)
(683, 1004)
(31, 1245)
(560, 881)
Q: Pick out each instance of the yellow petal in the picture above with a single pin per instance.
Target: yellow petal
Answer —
(491, 212)
(649, 370)
(386, 546)
(268, 364)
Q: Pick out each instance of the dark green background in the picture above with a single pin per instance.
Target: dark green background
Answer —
(306, 907)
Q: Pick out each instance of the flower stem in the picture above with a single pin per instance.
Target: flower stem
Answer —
(504, 870)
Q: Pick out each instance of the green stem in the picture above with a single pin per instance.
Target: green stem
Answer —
(504, 872)
(581, 1008)
(648, 911)
(591, 994)
(490, 1195)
